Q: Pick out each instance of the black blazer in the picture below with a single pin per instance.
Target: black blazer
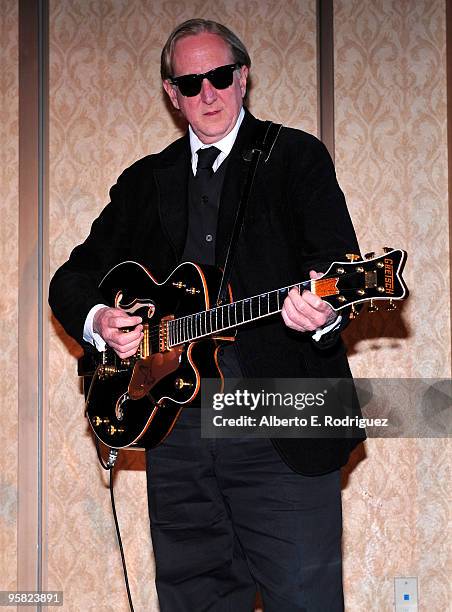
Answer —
(296, 220)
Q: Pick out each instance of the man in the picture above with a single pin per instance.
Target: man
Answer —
(230, 516)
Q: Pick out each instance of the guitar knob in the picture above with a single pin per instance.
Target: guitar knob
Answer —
(391, 306)
(97, 420)
(372, 307)
(370, 255)
(180, 383)
(112, 430)
(353, 257)
(387, 249)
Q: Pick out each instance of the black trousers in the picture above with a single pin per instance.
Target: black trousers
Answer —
(229, 517)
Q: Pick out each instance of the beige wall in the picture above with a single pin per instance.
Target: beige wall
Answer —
(9, 295)
(107, 110)
(391, 160)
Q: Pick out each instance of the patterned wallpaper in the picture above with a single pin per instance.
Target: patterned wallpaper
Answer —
(106, 110)
(9, 293)
(391, 160)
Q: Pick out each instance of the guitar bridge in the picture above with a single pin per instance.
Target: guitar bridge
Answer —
(163, 334)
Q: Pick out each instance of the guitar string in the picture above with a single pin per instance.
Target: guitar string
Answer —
(154, 331)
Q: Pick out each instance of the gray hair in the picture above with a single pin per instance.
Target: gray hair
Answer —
(192, 27)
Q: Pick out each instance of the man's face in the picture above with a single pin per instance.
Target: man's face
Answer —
(213, 112)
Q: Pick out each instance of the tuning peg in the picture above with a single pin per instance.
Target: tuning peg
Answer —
(391, 306)
(353, 313)
(387, 249)
(372, 307)
(353, 257)
(370, 255)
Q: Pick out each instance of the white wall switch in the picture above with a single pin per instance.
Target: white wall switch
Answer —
(405, 595)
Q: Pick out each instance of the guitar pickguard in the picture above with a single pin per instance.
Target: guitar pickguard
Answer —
(151, 370)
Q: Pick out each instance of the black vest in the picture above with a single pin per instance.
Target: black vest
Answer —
(203, 207)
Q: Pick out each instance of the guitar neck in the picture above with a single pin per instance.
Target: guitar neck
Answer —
(220, 319)
(343, 284)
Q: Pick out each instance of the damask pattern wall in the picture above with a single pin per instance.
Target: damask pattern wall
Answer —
(391, 160)
(9, 151)
(107, 109)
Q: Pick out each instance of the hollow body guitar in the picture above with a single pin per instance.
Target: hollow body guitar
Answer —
(136, 401)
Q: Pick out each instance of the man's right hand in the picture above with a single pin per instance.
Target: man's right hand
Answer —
(113, 325)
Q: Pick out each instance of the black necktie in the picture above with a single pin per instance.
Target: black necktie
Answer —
(206, 157)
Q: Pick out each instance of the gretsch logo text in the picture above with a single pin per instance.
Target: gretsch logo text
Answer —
(389, 276)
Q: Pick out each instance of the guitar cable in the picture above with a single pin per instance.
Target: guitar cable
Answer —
(109, 467)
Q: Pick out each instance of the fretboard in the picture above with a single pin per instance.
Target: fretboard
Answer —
(217, 320)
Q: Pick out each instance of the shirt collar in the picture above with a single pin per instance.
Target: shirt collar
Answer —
(225, 144)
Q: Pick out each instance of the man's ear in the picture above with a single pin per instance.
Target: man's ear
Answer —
(242, 79)
(170, 90)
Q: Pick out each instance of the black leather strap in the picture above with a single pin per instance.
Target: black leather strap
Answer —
(261, 149)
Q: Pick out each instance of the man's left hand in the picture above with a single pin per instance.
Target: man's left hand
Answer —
(306, 312)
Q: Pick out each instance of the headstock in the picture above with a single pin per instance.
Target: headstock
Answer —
(364, 280)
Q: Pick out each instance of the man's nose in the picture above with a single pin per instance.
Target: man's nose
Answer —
(208, 92)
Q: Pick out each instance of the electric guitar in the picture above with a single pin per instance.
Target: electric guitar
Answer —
(136, 401)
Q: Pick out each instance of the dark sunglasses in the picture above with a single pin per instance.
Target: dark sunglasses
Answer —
(190, 84)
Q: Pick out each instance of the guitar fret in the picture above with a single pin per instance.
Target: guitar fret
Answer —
(238, 313)
(246, 310)
(254, 307)
(220, 310)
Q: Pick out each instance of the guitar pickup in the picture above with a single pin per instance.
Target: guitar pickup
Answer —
(370, 279)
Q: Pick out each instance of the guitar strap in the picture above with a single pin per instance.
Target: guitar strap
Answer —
(262, 149)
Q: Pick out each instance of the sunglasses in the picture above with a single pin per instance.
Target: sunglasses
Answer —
(190, 84)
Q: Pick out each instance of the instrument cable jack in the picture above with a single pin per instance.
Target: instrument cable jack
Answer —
(112, 456)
